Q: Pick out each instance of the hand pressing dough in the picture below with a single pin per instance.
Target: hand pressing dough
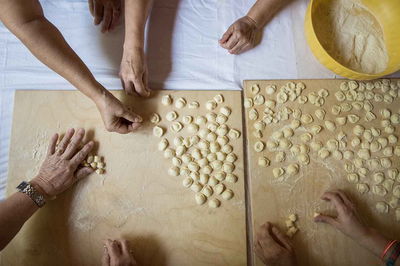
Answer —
(214, 203)
(166, 100)
(158, 131)
(330, 125)
(259, 146)
(382, 207)
(227, 194)
(278, 172)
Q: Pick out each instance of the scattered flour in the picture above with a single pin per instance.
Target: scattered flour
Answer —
(352, 36)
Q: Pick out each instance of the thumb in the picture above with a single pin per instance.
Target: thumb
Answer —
(105, 260)
(83, 172)
(326, 219)
(131, 116)
(226, 35)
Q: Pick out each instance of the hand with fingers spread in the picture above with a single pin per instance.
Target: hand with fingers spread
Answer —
(347, 220)
(117, 253)
(133, 72)
(61, 167)
(240, 36)
(107, 12)
(273, 247)
(117, 117)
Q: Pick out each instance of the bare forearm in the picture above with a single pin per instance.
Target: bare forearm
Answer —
(14, 212)
(25, 19)
(264, 10)
(136, 13)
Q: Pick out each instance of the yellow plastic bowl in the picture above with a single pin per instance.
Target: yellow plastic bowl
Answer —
(387, 12)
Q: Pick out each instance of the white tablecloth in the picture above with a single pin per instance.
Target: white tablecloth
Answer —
(182, 50)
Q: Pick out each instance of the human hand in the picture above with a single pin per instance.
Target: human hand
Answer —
(106, 11)
(116, 117)
(117, 253)
(273, 247)
(61, 167)
(347, 220)
(240, 36)
(133, 72)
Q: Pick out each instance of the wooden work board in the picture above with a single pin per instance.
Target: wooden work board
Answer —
(273, 199)
(135, 199)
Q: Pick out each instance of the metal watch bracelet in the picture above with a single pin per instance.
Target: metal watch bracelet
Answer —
(29, 190)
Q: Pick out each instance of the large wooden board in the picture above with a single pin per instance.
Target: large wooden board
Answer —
(135, 199)
(273, 200)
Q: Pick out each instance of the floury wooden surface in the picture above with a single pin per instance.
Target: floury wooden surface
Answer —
(273, 200)
(135, 199)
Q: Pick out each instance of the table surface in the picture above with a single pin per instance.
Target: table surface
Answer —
(274, 199)
(135, 198)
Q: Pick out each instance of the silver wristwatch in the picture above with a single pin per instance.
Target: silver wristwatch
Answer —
(29, 190)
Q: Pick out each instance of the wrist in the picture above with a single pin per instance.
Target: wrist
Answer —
(39, 187)
(251, 21)
(373, 241)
